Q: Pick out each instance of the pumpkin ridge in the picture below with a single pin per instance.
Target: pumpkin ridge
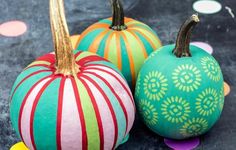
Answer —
(91, 29)
(24, 101)
(93, 46)
(111, 74)
(106, 50)
(97, 113)
(30, 75)
(81, 114)
(110, 108)
(37, 98)
(129, 52)
(146, 37)
(140, 43)
(115, 94)
(118, 49)
(59, 113)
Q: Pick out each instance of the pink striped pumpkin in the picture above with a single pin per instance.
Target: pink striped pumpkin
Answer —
(93, 110)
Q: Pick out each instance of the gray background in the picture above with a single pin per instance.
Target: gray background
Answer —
(164, 16)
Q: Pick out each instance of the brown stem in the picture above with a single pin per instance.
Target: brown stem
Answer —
(118, 18)
(65, 62)
(184, 37)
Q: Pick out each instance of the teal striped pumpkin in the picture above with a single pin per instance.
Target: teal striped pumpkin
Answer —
(127, 49)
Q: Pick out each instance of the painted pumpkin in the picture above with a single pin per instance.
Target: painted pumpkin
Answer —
(124, 41)
(179, 91)
(76, 101)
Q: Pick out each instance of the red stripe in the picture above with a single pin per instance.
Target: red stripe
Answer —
(30, 75)
(90, 59)
(116, 95)
(110, 108)
(47, 57)
(34, 108)
(24, 101)
(78, 53)
(59, 112)
(103, 70)
(81, 115)
(99, 120)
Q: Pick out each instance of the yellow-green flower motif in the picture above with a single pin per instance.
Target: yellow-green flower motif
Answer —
(207, 102)
(137, 87)
(175, 109)
(211, 68)
(194, 127)
(148, 112)
(221, 103)
(155, 85)
(186, 78)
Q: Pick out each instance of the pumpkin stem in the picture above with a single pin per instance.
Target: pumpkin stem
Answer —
(184, 37)
(65, 61)
(118, 18)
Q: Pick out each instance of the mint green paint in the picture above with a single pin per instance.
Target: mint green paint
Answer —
(180, 98)
(146, 27)
(120, 117)
(146, 44)
(88, 39)
(45, 118)
(125, 62)
(107, 21)
(24, 74)
(19, 96)
(102, 46)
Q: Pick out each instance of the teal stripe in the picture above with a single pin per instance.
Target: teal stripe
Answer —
(125, 62)
(102, 45)
(147, 45)
(120, 117)
(45, 118)
(89, 39)
(107, 21)
(19, 96)
(24, 74)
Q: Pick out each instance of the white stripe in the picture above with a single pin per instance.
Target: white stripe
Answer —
(26, 114)
(71, 133)
(114, 73)
(120, 91)
(106, 117)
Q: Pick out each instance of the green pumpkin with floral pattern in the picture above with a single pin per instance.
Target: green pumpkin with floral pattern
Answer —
(179, 91)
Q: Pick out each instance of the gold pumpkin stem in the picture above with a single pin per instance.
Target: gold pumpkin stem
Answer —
(183, 40)
(65, 61)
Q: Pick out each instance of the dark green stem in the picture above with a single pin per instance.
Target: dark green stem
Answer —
(118, 18)
(184, 37)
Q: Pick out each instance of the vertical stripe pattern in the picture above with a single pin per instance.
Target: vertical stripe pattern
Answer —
(126, 49)
(91, 110)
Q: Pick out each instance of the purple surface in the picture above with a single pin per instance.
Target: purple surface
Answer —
(188, 144)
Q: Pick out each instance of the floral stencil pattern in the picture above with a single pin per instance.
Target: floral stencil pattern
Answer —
(175, 109)
(155, 85)
(148, 111)
(186, 78)
(194, 127)
(207, 102)
(211, 68)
